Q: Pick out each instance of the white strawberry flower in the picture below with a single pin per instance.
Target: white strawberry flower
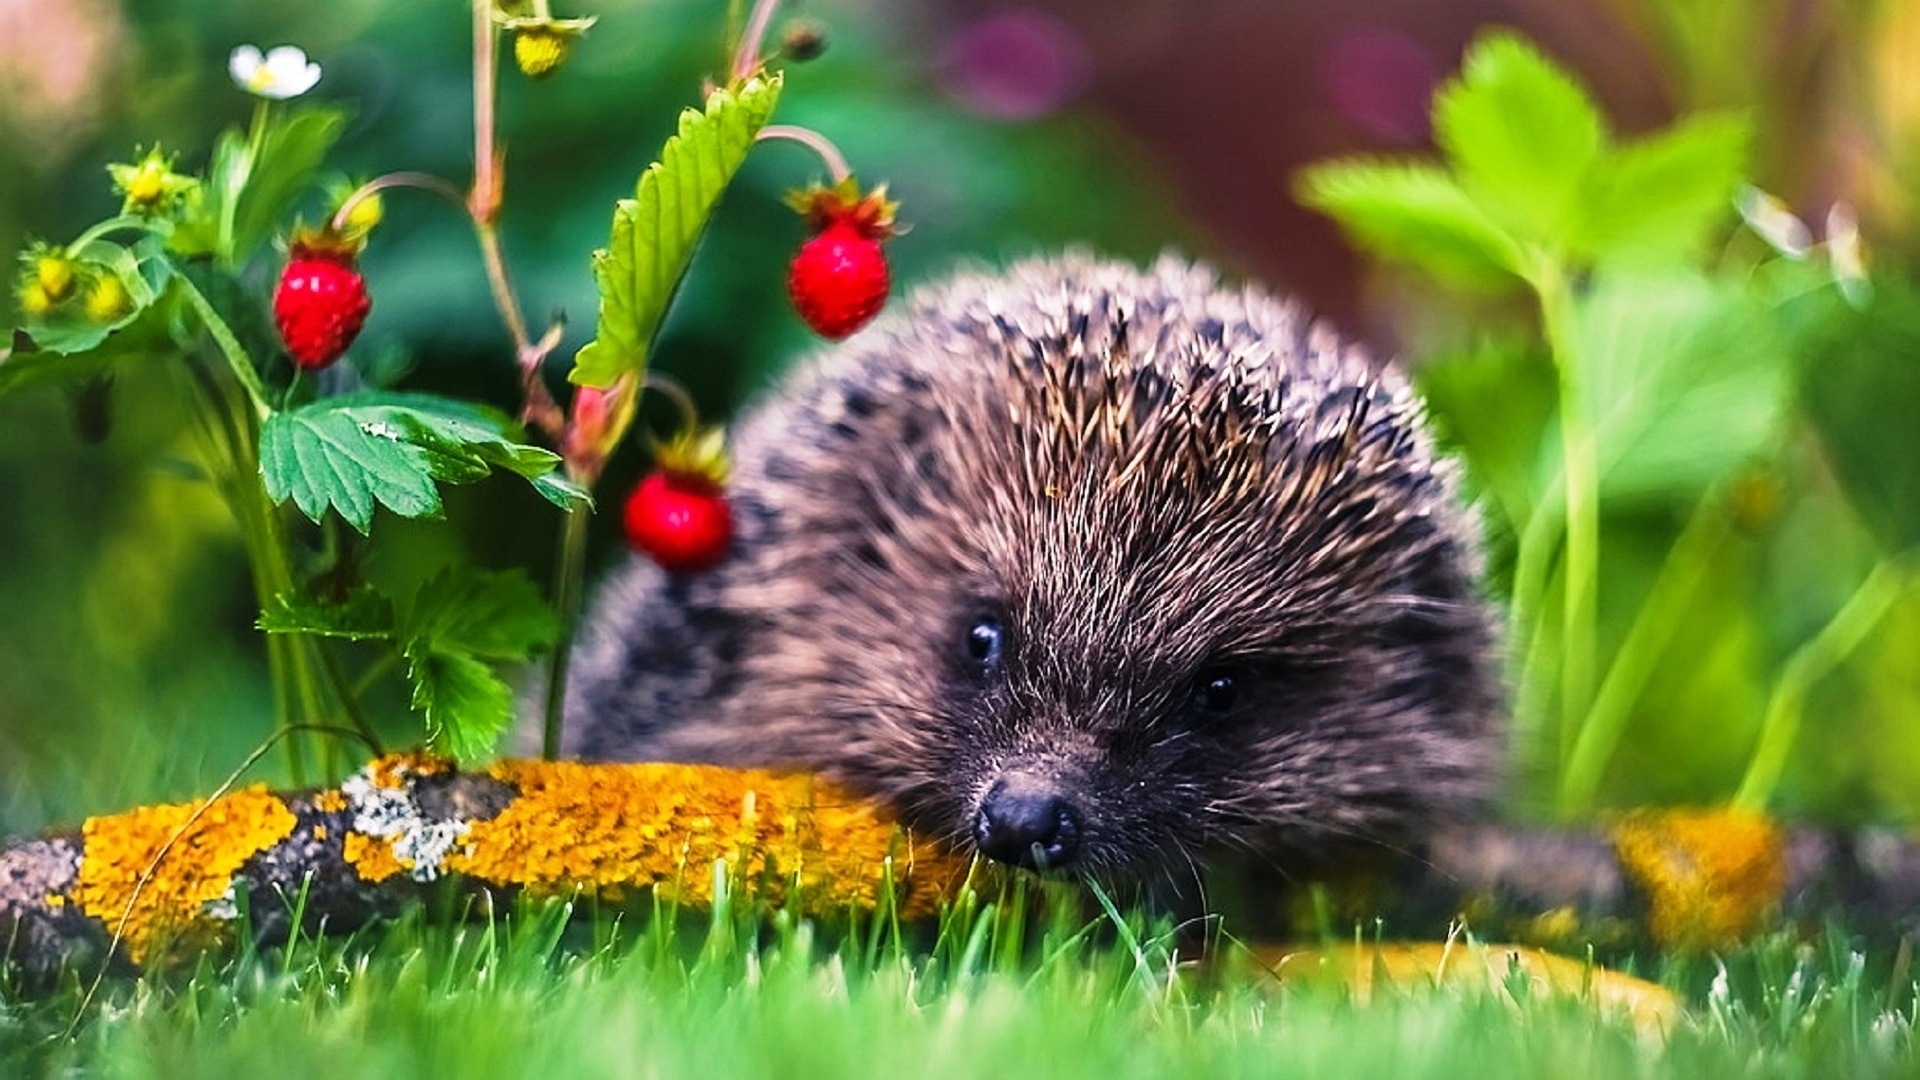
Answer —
(283, 72)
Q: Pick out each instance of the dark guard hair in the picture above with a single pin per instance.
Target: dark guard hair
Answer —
(1084, 566)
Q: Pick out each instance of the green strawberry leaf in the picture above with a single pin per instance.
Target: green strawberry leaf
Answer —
(455, 623)
(1688, 381)
(1415, 213)
(1862, 390)
(1520, 134)
(1494, 403)
(1658, 199)
(357, 451)
(494, 616)
(654, 232)
(364, 615)
(466, 706)
(449, 633)
(322, 456)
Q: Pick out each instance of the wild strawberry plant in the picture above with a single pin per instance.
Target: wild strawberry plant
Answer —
(306, 454)
(1655, 399)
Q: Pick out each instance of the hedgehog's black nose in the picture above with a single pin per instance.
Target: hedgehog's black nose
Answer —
(1023, 821)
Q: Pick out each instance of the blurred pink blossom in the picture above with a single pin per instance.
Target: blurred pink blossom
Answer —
(1381, 81)
(1015, 65)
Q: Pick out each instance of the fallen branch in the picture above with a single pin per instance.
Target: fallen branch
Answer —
(130, 889)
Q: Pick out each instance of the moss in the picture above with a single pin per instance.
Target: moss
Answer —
(190, 888)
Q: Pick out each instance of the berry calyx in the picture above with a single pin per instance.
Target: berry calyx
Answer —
(320, 303)
(839, 279)
(681, 520)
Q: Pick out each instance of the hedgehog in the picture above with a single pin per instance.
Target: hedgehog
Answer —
(1084, 568)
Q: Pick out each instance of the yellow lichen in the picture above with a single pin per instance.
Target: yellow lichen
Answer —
(1711, 877)
(370, 857)
(330, 801)
(607, 829)
(395, 770)
(210, 844)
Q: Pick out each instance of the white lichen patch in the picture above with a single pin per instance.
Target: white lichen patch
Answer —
(226, 906)
(393, 814)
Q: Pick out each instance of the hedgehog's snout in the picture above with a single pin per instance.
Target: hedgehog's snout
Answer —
(1026, 820)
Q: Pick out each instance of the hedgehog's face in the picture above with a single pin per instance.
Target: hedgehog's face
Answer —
(1171, 688)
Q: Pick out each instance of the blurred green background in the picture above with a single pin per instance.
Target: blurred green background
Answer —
(129, 669)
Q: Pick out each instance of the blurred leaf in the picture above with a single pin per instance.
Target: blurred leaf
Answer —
(354, 451)
(140, 272)
(654, 232)
(1862, 392)
(365, 615)
(1494, 404)
(1520, 134)
(455, 623)
(1412, 213)
(1687, 381)
(253, 194)
(73, 348)
(1659, 198)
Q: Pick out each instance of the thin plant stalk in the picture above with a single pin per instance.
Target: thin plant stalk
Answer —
(1580, 468)
(1812, 661)
(1533, 573)
(568, 575)
(1660, 617)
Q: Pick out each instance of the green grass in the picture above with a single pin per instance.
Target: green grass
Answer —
(554, 992)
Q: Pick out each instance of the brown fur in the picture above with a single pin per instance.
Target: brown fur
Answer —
(1147, 476)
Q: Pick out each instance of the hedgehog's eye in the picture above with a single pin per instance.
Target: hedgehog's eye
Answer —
(985, 641)
(1217, 691)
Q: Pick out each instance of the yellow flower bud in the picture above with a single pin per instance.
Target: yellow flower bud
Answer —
(34, 299)
(108, 299)
(365, 214)
(147, 187)
(54, 275)
(540, 50)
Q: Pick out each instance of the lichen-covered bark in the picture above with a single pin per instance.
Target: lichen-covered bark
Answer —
(129, 890)
(133, 888)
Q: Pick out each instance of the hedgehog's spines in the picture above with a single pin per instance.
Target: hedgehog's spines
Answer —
(1145, 474)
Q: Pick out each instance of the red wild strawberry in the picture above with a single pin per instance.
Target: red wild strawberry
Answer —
(681, 520)
(839, 280)
(319, 305)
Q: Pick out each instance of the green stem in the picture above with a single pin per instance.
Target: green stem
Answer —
(746, 60)
(1660, 616)
(349, 701)
(1812, 661)
(1580, 468)
(1539, 542)
(236, 355)
(129, 222)
(568, 575)
(237, 472)
(417, 180)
